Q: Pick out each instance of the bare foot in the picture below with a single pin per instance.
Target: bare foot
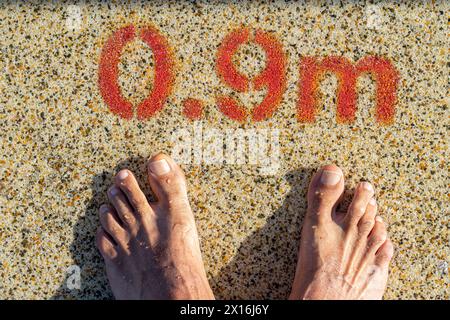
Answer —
(151, 250)
(342, 255)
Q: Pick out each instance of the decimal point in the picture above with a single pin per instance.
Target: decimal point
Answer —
(193, 108)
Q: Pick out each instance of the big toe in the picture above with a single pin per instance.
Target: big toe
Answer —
(167, 182)
(325, 191)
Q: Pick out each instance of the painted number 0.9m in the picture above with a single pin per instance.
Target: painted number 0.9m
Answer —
(272, 78)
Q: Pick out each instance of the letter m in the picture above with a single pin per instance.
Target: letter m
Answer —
(382, 70)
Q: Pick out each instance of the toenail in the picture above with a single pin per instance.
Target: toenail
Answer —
(122, 174)
(367, 186)
(114, 191)
(330, 178)
(373, 202)
(159, 167)
(379, 219)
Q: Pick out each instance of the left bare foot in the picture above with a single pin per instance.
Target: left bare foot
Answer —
(151, 250)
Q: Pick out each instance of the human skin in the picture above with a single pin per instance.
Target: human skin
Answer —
(151, 249)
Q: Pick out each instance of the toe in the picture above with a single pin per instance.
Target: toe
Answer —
(361, 253)
(384, 254)
(377, 236)
(366, 249)
(111, 225)
(367, 222)
(325, 191)
(167, 181)
(128, 184)
(105, 246)
(363, 193)
(122, 207)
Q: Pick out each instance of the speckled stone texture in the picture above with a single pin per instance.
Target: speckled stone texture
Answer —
(60, 144)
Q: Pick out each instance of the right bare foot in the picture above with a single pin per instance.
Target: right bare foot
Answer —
(151, 250)
(342, 255)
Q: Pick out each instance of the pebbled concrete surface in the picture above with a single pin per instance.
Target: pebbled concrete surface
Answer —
(60, 144)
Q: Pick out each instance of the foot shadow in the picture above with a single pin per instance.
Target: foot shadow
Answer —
(93, 282)
(264, 265)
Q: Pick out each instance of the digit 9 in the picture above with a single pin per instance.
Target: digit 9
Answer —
(273, 77)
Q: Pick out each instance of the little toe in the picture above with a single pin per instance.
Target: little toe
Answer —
(384, 254)
(123, 208)
(358, 207)
(325, 191)
(167, 182)
(111, 225)
(105, 246)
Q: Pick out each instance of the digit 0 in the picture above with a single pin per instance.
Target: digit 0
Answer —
(273, 77)
(109, 72)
